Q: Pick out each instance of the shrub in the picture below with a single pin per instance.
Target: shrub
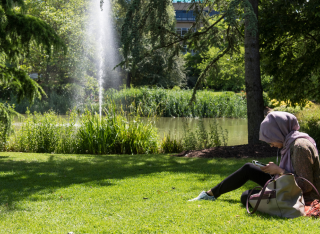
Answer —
(309, 120)
(266, 100)
(312, 127)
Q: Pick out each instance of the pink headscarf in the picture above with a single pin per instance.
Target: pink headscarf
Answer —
(282, 127)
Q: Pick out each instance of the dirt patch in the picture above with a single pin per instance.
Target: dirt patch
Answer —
(236, 151)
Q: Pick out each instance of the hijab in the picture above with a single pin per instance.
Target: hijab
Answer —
(282, 127)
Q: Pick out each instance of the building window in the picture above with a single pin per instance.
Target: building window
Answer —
(190, 15)
(181, 32)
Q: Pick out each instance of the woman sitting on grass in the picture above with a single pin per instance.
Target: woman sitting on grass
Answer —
(299, 155)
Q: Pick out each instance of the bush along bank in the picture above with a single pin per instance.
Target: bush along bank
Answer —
(309, 120)
(111, 134)
(168, 103)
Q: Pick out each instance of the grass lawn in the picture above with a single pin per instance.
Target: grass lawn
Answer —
(46, 193)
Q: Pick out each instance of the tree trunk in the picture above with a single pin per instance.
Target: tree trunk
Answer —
(128, 80)
(253, 82)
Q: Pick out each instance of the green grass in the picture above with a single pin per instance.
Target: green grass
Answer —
(48, 193)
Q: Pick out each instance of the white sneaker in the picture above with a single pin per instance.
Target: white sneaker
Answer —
(203, 196)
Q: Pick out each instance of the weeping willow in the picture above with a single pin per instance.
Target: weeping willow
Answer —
(18, 32)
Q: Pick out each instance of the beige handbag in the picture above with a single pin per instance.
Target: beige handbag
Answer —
(281, 197)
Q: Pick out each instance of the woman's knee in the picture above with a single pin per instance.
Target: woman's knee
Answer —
(247, 166)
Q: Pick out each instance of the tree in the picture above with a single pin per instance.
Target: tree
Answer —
(18, 33)
(154, 69)
(61, 73)
(150, 16)
(254, 90)
(290, 48)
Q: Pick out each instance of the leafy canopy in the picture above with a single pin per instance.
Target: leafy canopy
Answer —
(150, 17)
(18, 33)
(290, 48)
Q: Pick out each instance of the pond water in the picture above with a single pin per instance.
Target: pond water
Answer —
(237, 128)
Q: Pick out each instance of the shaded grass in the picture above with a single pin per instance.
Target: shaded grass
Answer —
(45, 193)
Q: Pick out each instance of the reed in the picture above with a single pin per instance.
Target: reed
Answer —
(115, 134)
(167, 103)
(170, 144)
(202, 138)
(45, 133)
(85, 133)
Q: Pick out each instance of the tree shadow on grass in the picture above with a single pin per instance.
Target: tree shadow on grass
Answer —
(22, 178)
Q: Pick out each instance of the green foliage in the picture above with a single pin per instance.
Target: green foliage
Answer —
(167, 103)
(227, 73)
(111, 134)
(202, 138)
(151, 17)
(115, 134)
(309, 120)
(18, 33)
(171, 144)
(156, 71)
(290, 109)
(266, 99)
(60, 104)
(45, 133)
(312, 127)
(290, 49)
(160, 68)
(6, 113)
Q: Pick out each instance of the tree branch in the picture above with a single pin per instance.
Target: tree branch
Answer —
(193, 98)
(196, 34)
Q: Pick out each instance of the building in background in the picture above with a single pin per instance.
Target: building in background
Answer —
(185, 18)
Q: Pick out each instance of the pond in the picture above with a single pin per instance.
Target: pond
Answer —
(237, 128)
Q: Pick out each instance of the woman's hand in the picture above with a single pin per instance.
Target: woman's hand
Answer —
(272, 169)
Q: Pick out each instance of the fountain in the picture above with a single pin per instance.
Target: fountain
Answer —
(101, 48)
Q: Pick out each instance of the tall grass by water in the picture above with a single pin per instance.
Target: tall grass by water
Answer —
(115, 134)
(167, 103)
(85, 133)
(147, 102)
(195, 139)
(111, 133)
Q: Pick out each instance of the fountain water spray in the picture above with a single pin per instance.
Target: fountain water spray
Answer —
(100, 45)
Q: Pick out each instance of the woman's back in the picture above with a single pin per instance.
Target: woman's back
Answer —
(305, 161)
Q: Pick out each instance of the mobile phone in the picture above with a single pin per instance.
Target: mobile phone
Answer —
(259, 164)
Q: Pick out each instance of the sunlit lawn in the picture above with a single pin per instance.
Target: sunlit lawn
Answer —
(44, 193)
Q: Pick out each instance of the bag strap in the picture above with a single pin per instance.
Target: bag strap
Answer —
(310, 184)
(259, 199)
